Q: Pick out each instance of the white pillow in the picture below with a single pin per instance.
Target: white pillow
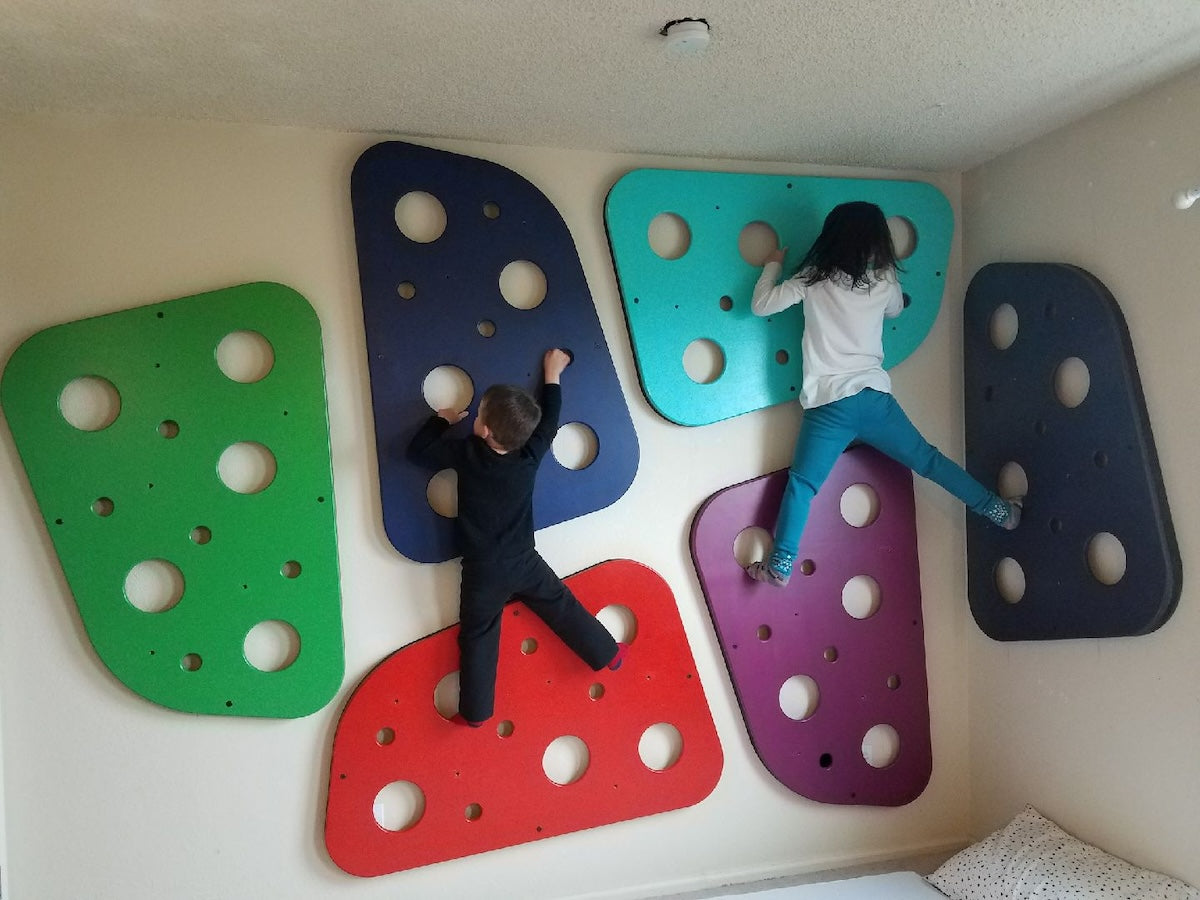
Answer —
(1031, 858)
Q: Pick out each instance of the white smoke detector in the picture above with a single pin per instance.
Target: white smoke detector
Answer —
(686, 37)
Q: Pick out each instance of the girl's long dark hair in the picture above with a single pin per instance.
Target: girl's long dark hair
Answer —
(855, 240)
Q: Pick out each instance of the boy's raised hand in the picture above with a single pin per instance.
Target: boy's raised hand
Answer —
(453, 416)
(553, 364)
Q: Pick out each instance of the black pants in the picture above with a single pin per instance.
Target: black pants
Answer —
(486, 588)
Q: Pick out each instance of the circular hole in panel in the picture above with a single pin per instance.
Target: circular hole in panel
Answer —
(830, 654)
(103, 507)
(407, 290)
(575, 446)
(1010, 580)
(565, 760)
(445, 696)
(245, 356)
(529, 645)
(271, 646)
(491, 210)
(442, 493)
(860, 505)
(798, 697)
(448, 387)
(89, 403)
(190, 662)
(893, 682)
(1056, 525)
(703, 361)
(420, 217)
(620, 622)
(486, 327)
(201, 535)
(825, 761)
(385, 736)
(726, 303)
(1040, 428)
(807, 567)
(669, 235)
(1072, 381)
(246, 467)
(1003, 326)
(398, 806)
(660, 746)
(1013, 482)
(290, 569)
(764, 632)
(504, 728)
(473, 812)
(782, 357)
(523, 284)
(904, 236)
(751, 545)
(860, 596)
(881, 746)
(168, 429)
(1100, 459)
(154, 585)
(596, 691)
(756, 242)
(1106, 558)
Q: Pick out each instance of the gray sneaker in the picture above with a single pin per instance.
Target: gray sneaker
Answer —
(1014, 513)
(760, 571)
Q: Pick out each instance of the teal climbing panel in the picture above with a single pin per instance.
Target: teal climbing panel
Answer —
(702, 293)
(190, 501)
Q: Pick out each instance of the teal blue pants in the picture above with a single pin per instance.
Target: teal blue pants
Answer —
(874, 418)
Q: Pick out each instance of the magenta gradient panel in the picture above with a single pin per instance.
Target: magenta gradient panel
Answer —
(865, 654)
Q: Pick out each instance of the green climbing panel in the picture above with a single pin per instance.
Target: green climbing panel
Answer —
(698, 292)
(179, 454)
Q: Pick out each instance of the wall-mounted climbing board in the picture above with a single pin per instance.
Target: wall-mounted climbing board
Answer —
(440, 296)
(1054, 405)
(698, 288)
(829, 671)
(188, 493)
(408, 787)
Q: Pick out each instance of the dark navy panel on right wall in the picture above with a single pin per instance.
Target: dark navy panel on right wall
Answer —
(1054, 409)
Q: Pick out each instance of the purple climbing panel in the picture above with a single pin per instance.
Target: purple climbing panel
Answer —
(830, 670)
(436, 300)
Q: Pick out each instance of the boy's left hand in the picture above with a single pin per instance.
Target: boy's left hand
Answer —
(553, 364)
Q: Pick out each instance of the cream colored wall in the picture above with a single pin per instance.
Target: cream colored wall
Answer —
(109, 796)
(1103, 736)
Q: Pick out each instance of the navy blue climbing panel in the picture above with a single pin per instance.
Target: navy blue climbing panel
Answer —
(438, 302)
(1086, 451)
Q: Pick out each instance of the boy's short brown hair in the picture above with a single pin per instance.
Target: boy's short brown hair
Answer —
(510, 414)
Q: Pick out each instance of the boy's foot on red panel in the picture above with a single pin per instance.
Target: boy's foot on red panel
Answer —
(622, 650)
(458, 719)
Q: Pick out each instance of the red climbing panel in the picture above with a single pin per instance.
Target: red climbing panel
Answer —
(479, 789)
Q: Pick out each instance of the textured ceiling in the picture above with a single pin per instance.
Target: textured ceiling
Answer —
(926, 84)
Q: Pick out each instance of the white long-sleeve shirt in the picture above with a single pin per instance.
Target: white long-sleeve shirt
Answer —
(843, 330)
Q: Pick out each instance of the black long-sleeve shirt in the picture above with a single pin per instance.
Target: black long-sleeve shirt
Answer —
(495, 490)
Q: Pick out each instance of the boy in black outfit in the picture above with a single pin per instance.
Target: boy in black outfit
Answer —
(496, 467)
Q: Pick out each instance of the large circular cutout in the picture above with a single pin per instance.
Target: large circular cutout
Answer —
(89, 403)
(881, 746)
(752, 544)
(620, 622)
(904, 236)
(575, 446)
(703, 361)
(420, 217)
(798, 697)
(245, 356)
(154, 585)
(271, 646)
(398, 806)
(247, 467)
(442, 493)
(1003, 325)
(566, 760)
(523, 284)
(756, 242)
(861, 596)
(448, 387)
(1106, 558)
(669, 235)
(660, 746)
(859, 505)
